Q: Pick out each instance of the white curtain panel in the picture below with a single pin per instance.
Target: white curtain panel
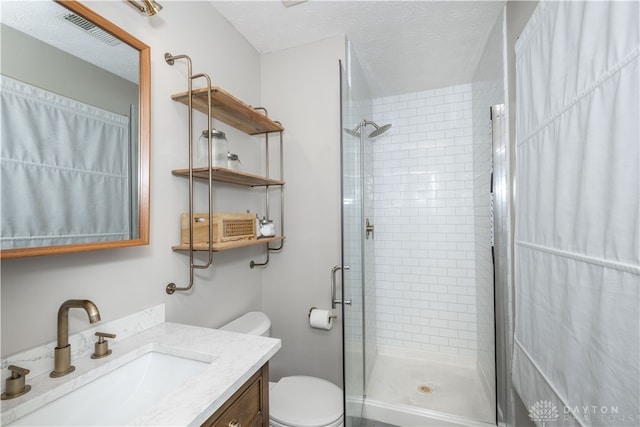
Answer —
(65, 170)
(577, 261)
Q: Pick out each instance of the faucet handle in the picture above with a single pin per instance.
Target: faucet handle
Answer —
(102, 335)
(102, 346)
(17, 371)
(16, 383)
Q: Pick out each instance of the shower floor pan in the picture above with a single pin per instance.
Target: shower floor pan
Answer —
(406, 392)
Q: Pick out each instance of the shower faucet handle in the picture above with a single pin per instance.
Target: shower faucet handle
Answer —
(369, 229)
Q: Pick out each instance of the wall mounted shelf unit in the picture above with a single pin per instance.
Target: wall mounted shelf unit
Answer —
(221, 105)
(229, 176)
(224, 246)
(230, 110)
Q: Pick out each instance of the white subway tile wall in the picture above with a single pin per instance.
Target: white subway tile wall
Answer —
(370, 309)
(424, 219)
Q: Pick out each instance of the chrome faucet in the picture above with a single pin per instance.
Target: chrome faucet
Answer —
(62, 352)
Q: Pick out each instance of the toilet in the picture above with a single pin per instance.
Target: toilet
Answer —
(296, 401)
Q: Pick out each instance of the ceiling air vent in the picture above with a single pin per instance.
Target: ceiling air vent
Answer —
(90, 28)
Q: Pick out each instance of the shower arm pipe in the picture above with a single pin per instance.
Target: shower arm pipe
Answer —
(253, 264)
(379, 130)
(170, 59)
(365, 122)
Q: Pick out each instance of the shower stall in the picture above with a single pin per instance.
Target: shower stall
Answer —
(423, 182)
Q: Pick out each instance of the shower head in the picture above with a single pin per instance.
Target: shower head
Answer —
(379, 130)
(353, 132)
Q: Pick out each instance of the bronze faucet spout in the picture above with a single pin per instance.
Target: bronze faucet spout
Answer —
(63, 317)
(63, 350)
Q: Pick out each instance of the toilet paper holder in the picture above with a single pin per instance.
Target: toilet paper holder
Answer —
(333, 316)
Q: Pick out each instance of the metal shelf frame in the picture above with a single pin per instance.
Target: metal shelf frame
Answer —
(218, 104)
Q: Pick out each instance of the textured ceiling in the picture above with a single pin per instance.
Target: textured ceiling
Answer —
(403, 46)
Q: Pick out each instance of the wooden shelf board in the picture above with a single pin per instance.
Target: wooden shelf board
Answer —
(231, 110)
(234, 244)
(229, 176)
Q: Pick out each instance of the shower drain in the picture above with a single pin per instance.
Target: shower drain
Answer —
(425, 389)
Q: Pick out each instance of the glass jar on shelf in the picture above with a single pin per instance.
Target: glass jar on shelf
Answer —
(219, 149)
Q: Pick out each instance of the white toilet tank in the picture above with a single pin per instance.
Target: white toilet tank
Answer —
(253, 323)
(297, 401)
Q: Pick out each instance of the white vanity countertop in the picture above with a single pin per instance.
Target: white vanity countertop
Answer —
(234, 359)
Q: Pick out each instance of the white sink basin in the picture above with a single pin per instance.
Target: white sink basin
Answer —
(118, 397)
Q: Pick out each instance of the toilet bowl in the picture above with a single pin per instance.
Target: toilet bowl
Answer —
(296, 401)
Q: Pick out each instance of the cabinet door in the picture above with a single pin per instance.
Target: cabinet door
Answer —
(248, 407)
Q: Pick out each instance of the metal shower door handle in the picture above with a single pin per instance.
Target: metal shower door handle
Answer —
(335, 301)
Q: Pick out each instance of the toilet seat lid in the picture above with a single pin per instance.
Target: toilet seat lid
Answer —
(305, 402)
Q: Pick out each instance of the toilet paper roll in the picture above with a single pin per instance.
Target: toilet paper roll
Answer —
(321, 319)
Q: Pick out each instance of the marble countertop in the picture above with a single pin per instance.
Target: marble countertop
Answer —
(233, 358)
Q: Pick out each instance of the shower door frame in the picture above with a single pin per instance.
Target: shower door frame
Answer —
(502, 200)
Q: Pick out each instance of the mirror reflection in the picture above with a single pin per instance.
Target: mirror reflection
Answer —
(74, 151)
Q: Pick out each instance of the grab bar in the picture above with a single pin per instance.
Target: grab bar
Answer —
(335, 301)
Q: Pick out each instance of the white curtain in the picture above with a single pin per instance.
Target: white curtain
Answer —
(577, 283)
(65, 170)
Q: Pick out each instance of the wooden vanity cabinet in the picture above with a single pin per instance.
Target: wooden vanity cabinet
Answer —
(248, 407)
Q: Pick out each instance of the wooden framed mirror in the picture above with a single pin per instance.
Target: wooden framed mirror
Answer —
(77, 179)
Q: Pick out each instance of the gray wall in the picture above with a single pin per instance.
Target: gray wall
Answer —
(301, 86)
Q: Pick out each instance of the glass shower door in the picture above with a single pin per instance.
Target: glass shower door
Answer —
(352, 226)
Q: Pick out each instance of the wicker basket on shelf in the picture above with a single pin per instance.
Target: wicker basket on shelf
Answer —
(226, 227)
